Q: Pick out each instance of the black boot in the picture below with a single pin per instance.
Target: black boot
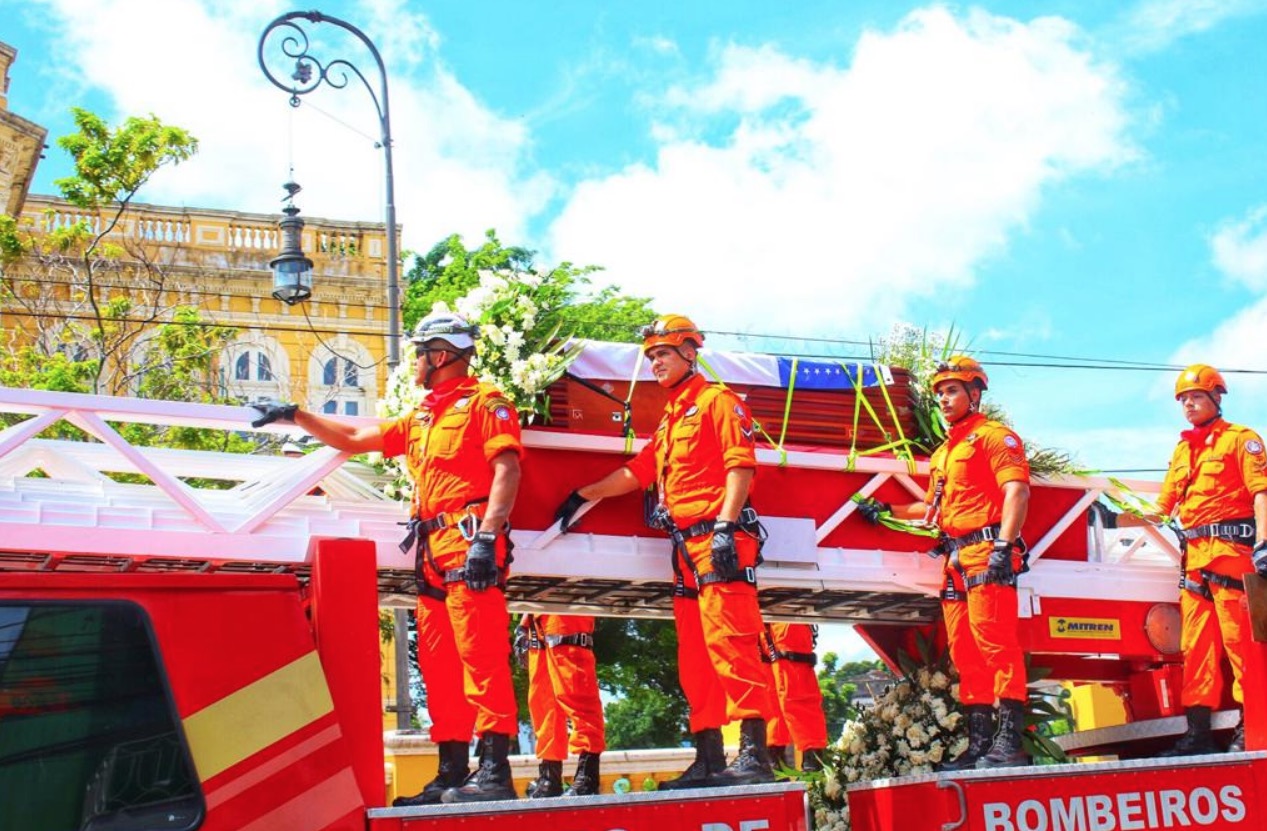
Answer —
(1238, 737)
(585, 783)
(752, 765)
(980, 736)
(491, 780)
(782, 756)
(1006, 751)
(549, 781)
(1198, 739)
(812, 759)
(453, 770)
(710, 758)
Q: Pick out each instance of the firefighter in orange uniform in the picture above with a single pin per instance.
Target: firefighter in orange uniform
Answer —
(789, 649)
(978, 496)
(1217, 488)
(462, 448)
(702, 459)
(563, 687)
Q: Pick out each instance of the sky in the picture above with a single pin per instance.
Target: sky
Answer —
(1074, 187)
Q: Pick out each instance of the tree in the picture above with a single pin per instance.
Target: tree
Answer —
(637, 661)
(449, 270)
(839, 685)
(82, 290)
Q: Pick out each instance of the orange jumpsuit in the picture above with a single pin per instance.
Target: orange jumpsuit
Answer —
(1213, 476)
(800, 720)
(563, 686)
(968, 472)
(449, 443)
(705, 432)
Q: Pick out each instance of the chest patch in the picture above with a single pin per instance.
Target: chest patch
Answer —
(692, 411)
(461, 403)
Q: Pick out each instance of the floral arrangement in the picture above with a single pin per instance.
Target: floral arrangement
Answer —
(915, 725)
(513, 352)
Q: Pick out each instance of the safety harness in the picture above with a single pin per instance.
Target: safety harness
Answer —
(1238, 531)
(749, 522)
(951, 546)
(467, 521)
(539, 640)
(771, 653)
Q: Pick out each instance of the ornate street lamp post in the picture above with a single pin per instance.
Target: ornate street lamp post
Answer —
(308, 74)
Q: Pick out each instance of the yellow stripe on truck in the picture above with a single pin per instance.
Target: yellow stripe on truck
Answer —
(245, 722)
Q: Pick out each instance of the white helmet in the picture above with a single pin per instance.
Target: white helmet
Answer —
(451, 328)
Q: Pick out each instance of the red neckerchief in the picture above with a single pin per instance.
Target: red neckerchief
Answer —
(444, 392)
(1199, 438)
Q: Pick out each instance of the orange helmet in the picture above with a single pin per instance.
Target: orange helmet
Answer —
(961, 368)
(1200, 377)
(671, 330)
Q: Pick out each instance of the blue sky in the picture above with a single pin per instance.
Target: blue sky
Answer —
(1079, 179)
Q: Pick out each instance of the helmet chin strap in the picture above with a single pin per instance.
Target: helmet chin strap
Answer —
(690, 370)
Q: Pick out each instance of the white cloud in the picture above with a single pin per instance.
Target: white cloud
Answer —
(1240, 249)
(1238, 343)
(1153, 25)
(458, 166)
(835, 194)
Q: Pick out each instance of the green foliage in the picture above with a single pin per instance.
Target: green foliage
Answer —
(838, 690)
(449, 271)
(644, 718)
(637, 661)
(920, 351)
(13, 245)
(113, 164)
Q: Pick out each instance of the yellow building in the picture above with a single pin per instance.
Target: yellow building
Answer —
(328, 353)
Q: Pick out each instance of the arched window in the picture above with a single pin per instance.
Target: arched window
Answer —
(255, 368)
(341, 372)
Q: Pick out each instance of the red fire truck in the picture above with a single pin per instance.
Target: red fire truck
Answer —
(175, 655)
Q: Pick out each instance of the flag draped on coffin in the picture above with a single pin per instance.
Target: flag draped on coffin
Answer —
(831, 375)
(616, 362)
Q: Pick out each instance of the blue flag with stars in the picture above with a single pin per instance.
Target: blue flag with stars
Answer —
(827, 375)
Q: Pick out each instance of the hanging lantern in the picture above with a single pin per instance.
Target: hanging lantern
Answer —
(292, 271)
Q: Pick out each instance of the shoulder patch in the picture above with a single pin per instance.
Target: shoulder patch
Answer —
(496, 402)
(1254, 447)
(502, 413)
(1011, 441)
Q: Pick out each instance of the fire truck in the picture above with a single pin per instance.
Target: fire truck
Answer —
(189, 639)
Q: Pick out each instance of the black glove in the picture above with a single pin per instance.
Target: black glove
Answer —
(519, 647)
(1000, 568)
(568, 510)
(1260, 558)
(872, 509)
(481, 561)
(271, 411)
(725, 557)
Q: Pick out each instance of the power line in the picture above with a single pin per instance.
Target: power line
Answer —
(142, 322)
(1040, 360)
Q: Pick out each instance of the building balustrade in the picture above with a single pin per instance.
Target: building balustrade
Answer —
(225, 238)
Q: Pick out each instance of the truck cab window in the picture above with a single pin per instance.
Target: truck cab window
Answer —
(89, 736)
